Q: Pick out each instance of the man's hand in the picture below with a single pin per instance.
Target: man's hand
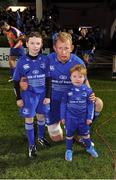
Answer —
(46, 101)
(23, 83)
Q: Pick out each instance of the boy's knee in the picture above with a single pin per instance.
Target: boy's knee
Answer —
(98, 105)
(40, 117)
(28, 120)
(55, 132)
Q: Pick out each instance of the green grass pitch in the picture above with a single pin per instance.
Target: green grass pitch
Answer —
(50, 163)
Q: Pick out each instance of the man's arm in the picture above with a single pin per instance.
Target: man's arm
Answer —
(21, 37)
(17, 93)
(92, 96)
(17, 90)
(48, 84)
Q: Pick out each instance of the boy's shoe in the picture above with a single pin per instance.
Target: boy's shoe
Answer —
(68, 155)
(92, 151)
(44, 142)
(32, 151)
(92, 143)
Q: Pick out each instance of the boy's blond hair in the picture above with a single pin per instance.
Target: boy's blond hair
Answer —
(80, 68)
(62, 36)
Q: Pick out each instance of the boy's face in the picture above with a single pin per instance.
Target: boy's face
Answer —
(34, 45)
(5, 27)
(77, 78)
(63, 50)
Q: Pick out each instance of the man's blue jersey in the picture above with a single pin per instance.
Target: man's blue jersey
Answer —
(60, 74)
(35, 70)
(77, 103)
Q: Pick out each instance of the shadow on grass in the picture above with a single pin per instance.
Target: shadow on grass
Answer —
(12, 144)
(14, 151)
(3, 166)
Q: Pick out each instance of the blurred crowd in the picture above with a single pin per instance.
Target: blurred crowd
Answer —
(49, 25)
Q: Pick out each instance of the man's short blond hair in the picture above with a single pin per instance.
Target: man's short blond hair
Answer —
(62, 36)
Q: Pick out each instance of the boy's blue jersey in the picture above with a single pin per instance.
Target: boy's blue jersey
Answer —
(60, 74)
(77, 103)
(35, 70)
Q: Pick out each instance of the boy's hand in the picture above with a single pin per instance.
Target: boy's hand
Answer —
(46, 101)
(92, 97)
(23, 83)
(89, 121)
(20, 103)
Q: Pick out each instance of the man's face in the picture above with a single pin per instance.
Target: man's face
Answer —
(34, 45)
(63, 50)
(83, 32)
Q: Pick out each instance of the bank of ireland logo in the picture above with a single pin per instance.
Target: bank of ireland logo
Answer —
(63, 77)
(77, 98)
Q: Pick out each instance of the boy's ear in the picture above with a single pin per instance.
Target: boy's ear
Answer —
(72, 48)
(27, 44)
(41, 45)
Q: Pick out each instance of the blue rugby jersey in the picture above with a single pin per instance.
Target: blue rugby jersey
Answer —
(60, 74)
(76, 101)
(35, 70)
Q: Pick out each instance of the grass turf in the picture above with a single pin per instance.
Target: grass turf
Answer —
(50, 163)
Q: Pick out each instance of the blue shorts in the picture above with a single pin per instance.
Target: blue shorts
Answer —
(18, 52)
(33, 103)
(54, 113)
(76, 124)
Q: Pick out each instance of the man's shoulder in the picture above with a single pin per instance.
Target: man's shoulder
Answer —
(52, 55)
(76, 59)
